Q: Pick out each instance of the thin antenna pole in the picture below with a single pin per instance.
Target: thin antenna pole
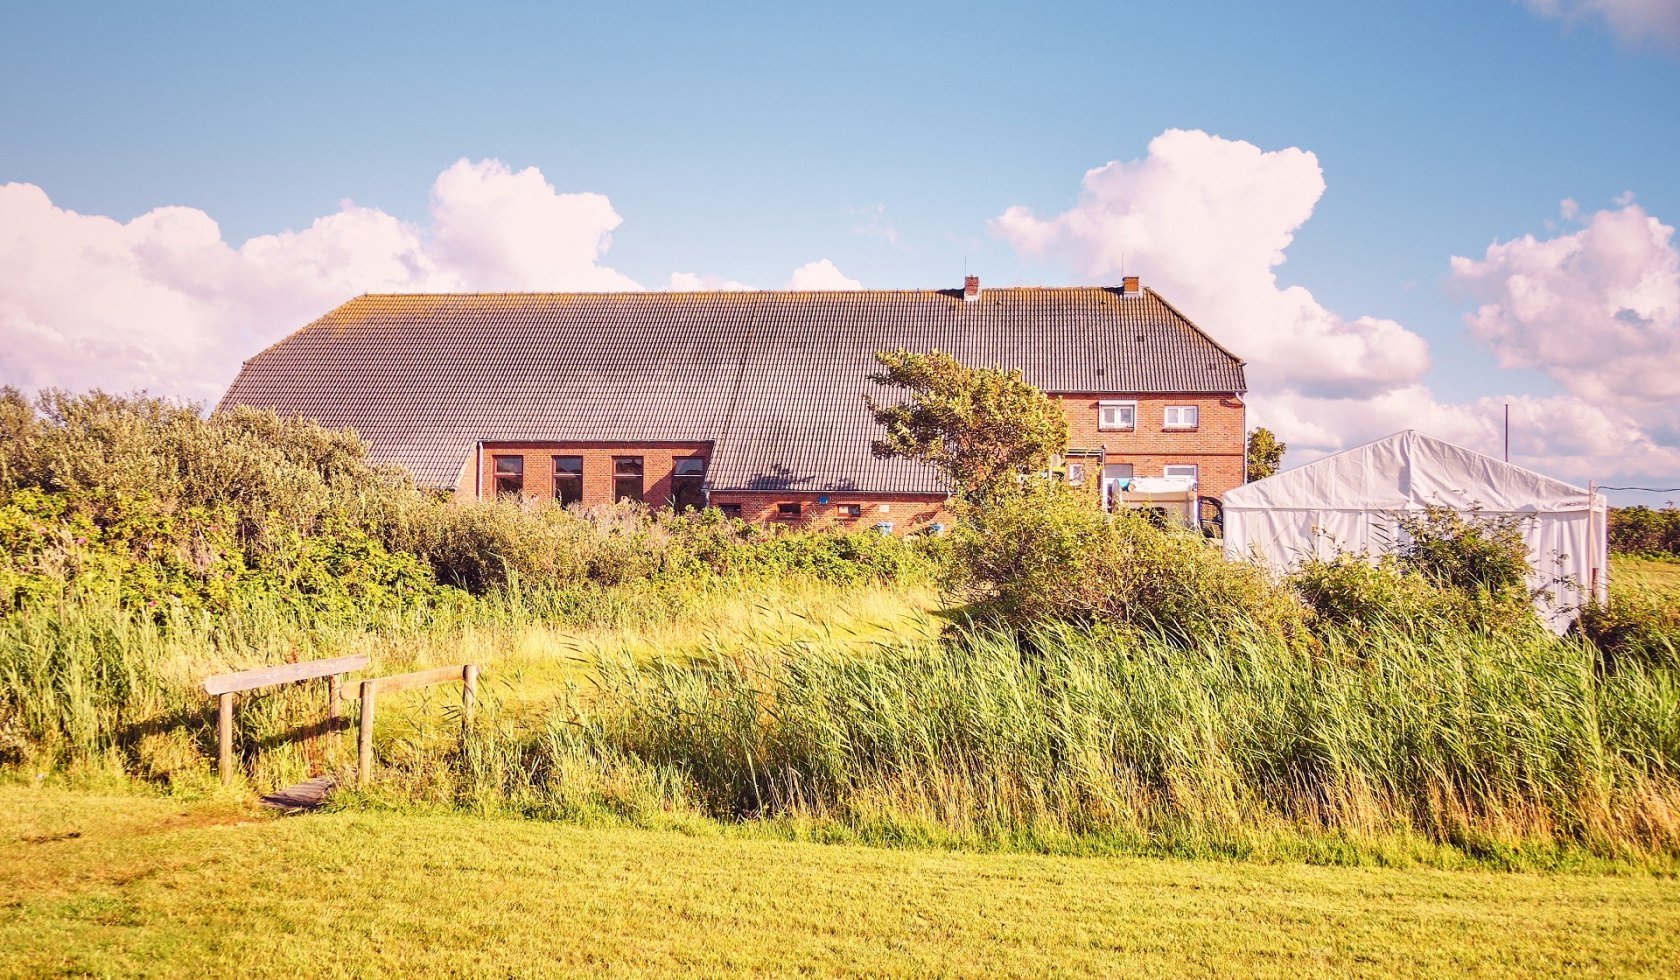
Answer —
(1507, 432)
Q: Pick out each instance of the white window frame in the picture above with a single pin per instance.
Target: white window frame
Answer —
(1103, 409)
(1076, 474)
(1195, 473)
(1194, 412)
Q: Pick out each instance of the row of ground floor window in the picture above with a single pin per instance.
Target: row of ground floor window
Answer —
(675, 477)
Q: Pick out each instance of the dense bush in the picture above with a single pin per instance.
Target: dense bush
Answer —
(1636, 626)
(1453, 572)
(1647, 532)
(167, 507)
(1041, 551)
(1479, 555)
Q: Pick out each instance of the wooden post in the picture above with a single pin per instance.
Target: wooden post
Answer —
(224, 736)
(364, 743)
(469, 696)
(335, 693)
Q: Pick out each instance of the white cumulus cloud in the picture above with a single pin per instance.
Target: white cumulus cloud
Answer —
(821, 274)
(693, 282)
(163, 302)
(1208, 221)
(1597, 309)
(1632, 21)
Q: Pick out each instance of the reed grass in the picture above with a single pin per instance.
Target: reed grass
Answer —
(805, 708)
(1513, 751)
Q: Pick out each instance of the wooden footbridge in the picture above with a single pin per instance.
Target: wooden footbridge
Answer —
(311, 793)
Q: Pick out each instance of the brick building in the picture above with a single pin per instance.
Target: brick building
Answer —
(748, 401)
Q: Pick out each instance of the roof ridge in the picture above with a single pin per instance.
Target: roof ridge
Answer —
(938, 291)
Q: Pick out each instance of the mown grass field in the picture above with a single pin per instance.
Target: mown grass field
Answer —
(145, 886)
(1648, 573)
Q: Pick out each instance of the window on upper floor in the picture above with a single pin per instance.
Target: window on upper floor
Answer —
(568, 479)
(1116, 416)
(627, 478)
(1181, 417)
(510, 475)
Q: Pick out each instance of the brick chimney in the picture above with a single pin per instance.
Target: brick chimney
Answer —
(971, 288)
(1129, 286)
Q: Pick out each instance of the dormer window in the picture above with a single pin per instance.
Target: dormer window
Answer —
(1116, 416)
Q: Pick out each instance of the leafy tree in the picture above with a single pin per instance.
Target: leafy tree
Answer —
(1265, 453)
(1642, 531)
(977, 426)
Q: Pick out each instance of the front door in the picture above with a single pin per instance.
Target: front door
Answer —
(1115, 478)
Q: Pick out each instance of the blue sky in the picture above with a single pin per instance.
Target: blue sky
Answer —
(887, 139)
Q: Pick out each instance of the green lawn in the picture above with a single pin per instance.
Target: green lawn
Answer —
(1664, 576)
(130, 885)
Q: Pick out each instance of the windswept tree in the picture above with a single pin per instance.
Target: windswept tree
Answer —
(978, 427)
(1265, 453)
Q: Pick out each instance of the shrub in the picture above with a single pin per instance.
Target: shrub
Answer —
(1358, 601)
(1472, 553)
(148, 499)
(1041, 552)
(1637, 626)
(1646, 532)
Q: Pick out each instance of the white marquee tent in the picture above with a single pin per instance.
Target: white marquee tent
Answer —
(1348, 503)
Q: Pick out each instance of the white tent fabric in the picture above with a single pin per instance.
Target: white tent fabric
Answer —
(1348, 503)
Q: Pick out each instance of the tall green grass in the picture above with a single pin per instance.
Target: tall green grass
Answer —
(1514, 751)
(90, 683)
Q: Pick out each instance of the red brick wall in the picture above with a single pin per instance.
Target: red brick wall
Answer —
(908, 513)
(658, 463)
(1216, 445)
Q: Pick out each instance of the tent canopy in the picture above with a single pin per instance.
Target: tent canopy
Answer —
(1348, 503)
(1408, 471)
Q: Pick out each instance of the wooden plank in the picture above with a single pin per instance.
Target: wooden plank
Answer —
(244, 680)
(307, 795)
(419, 678)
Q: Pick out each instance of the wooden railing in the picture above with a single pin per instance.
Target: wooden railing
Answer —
(371, 688)
(224, 686)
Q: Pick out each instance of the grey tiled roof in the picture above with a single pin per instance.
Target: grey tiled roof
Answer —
(774, 379)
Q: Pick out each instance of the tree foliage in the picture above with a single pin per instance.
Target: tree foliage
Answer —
(1644, 531)
(978, 427)
(1265, 453)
